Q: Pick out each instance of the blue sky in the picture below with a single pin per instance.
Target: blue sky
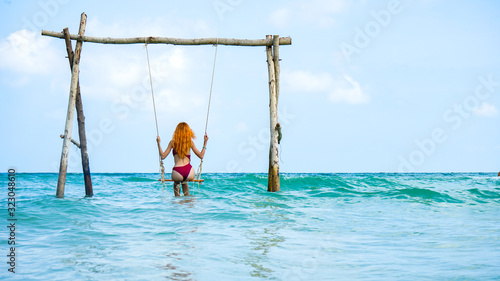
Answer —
(366, 86)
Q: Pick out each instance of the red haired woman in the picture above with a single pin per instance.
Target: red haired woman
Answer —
(182, 144)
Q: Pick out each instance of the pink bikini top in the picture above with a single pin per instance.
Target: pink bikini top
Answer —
(187, 155)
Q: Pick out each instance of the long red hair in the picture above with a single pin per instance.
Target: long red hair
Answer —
(182, 139)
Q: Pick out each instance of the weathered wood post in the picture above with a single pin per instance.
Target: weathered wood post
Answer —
(81, 122)
(273, 184)
(276, 57)
(71, 109)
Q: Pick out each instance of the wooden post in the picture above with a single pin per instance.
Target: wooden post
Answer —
(273, 180)
(276, 57)
(71, 109)
(81, 122)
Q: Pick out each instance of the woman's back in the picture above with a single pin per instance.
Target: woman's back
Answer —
(181, 161)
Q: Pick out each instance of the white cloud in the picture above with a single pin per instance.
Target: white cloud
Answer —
(338, 90)
(122, 76)
(349, 92)
(320, 13)
(26, 52)
(486, 110)
(119, 74)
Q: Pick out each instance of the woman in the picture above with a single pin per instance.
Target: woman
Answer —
(182, 143)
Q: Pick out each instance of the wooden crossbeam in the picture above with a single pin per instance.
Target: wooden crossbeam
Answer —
(172, 41)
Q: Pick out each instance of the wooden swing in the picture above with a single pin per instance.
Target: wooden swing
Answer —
(271, 42)
(197, 178)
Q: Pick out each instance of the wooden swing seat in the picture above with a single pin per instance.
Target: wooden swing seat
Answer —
(185, 181)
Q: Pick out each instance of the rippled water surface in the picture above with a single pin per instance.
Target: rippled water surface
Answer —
(319, 227)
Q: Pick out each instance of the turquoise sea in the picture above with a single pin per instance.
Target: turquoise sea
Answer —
(319, 227)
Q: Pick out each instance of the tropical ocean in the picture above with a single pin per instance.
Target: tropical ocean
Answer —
(319, 227)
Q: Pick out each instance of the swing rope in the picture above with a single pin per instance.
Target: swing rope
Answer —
(162, 168)
(200, 167)
(211, 84)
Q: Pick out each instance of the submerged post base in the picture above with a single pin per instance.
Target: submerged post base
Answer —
(273, 184)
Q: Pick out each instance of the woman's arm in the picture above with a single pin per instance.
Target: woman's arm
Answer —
(201, 153)
(165, 153)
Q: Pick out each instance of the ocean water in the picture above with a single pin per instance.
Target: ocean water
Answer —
(319, 227)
